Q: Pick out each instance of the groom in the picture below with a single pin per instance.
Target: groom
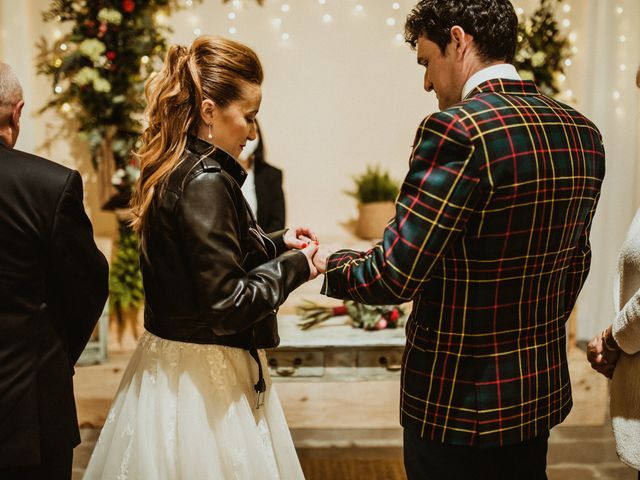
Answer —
(491, 242)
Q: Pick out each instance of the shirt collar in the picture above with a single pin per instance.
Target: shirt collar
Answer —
(501, 70)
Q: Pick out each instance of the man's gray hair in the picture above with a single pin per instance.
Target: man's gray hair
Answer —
(10, 91)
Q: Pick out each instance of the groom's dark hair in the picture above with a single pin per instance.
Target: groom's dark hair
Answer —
(492, 23)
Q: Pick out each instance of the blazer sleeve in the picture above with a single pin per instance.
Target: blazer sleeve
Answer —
(437, 197)
(236, 298)
(580, 263)
(79, 271)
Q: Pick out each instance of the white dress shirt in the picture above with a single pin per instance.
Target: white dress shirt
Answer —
(249, 190)
(501, 70)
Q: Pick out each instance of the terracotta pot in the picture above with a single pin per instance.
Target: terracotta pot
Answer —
(123, 214)
(373, 219)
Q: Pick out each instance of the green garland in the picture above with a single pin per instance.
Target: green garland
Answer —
(542, 49)
(125, 279)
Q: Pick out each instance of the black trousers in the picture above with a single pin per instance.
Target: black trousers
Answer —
(56, 466)
(428, 460)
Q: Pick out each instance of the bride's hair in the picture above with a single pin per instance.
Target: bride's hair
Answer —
(212, 68)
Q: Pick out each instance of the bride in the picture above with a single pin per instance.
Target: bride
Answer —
(195, 401)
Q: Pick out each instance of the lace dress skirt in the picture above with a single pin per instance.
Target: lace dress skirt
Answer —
(188, 411)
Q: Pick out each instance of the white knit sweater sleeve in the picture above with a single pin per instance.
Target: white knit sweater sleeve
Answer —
(626, 325)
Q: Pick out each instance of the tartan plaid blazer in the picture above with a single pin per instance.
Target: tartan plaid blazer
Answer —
(491, 242)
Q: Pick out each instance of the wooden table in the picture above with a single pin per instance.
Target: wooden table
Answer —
(335, 351)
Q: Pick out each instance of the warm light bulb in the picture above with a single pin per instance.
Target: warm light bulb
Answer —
(63, 47)
(566, 22)
(561, 78)
(58, 89)
(144, 59)
(322, 2)
(57, 34)
(619, 10)
(573, 36)
(197, 32)
(236, 3)
(566, 8)
(395, 6)
(277, 22)
(285, 36)
(616, 95)
(391, 21)
(623, 67)
(359, 7)
(233, 30)
(520, 10)
(568, 62)
(285, 7)
(622, 38)
(231, 16)
(326, 18)
(66, 108)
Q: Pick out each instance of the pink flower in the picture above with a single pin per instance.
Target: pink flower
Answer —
(381, 324)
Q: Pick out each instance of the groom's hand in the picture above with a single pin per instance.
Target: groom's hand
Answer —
(321, 257)
(309, 251)
(299, 237)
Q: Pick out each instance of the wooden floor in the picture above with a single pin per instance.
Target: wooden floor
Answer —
(328, 417)
(575, 453)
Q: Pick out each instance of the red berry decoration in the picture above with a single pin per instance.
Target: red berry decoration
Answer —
(111, 55)
(394, 315)
(128, 6)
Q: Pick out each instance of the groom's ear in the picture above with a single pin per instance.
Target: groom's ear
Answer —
(207, 111)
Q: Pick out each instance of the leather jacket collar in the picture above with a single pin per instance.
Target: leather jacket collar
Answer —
(226, 161)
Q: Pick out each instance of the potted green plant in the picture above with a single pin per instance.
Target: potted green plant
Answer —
(126, 294)
(376, 193)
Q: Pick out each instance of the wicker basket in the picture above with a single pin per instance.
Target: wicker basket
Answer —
(373, 219)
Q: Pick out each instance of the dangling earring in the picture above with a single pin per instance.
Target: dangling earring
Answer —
(210, 136)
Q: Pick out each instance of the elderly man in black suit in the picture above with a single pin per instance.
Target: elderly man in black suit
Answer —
(53, 286)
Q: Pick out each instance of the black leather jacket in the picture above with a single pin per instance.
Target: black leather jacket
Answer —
(211, 275)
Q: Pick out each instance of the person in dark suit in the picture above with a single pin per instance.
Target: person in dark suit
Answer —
(491, 242)
(53, 286)
(263, 187)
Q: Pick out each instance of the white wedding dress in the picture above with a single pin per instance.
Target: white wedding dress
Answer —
(187, 411)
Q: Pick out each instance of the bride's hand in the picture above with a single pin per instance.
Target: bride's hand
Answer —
(299, 237)
(309, 251)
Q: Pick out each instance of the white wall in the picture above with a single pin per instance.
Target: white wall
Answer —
(344, 94)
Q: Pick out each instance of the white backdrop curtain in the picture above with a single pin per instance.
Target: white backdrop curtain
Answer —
(341, 92)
